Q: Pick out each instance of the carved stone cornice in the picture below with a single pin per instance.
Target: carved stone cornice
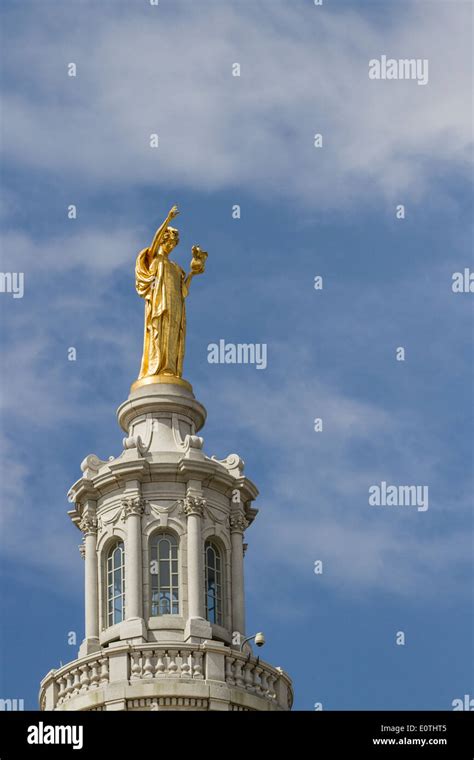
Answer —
(132, 505)
(193, 505)
(238, 522)
(88, 525)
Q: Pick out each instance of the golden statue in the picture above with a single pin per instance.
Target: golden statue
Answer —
(164, 286)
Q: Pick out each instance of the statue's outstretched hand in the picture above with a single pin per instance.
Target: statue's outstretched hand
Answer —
(173, 212)
(198, 261)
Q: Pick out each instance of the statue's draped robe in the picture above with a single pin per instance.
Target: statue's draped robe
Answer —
(162, 284)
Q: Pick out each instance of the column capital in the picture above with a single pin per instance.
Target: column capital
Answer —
(192, 505)
(238, 522)
(132, 505)
(88, 525)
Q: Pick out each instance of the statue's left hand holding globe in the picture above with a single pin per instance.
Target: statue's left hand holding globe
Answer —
(164, 286)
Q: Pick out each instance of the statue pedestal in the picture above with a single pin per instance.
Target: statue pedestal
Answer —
(159, 416)
(161, 380)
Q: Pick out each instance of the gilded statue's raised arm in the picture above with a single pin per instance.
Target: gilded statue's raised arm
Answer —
(157, 240)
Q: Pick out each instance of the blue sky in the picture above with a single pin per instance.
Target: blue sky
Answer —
(331, 354)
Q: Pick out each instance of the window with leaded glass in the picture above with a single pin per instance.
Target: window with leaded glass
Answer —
(213, 581)
(116, 584)
(164, 575)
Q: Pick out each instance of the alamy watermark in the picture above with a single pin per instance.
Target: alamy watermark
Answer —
(463, 282)
(11, 705)
(12, 282)
(237, 353)
(467, 703)
(399, 68)
(384, 495)
(46, 734)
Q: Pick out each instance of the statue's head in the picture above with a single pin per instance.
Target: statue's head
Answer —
(170, 240)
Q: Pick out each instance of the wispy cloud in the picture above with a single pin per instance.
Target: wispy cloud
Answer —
(303, 71)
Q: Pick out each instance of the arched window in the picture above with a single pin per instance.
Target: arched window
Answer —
(116, 584)
(213, 580)
(164, 577)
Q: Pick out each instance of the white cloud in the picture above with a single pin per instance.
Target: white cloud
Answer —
(304, 70)
(99, 251)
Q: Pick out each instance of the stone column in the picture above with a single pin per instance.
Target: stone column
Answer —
(197, 628)
(133, 508)
(238, 524)
(88, 526)
(193, 507)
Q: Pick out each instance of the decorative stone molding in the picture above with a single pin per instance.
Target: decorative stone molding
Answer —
(133, 505)
(88, 525)
(213, 516)
(192, 448)
(238, 523)
(82, 550)
(158, 510)
(233, 463)
(136, 442)
(109, 518)
(184, 703)
(168, 703)
(91, 465)
(193, 442)
(193, 505)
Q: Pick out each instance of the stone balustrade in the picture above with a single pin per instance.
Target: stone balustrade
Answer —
(181, 662)
(117, 675)
(251, 675)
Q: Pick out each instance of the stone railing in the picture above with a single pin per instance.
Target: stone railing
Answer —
(252, 675)
(157, 662)
(73, 679)
(85, 683)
